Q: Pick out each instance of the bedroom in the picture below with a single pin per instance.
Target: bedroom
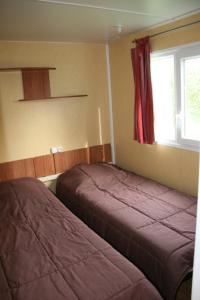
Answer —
(80, 54)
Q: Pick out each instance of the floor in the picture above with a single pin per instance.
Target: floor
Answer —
(184, 292)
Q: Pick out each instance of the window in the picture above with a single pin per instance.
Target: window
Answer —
(176, 96)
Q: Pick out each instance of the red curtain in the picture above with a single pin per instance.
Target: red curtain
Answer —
(143, 115)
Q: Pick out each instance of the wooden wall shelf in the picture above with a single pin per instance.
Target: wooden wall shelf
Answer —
(36, 84)
(26, 69)
(58, 97)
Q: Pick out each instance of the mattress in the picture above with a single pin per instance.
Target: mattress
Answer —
(151, 224)
(47, 253)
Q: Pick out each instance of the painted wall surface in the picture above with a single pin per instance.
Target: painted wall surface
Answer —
(29, 129)
(171, 166)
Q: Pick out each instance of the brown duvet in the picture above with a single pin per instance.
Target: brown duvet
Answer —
(47, 253)
(151, 224)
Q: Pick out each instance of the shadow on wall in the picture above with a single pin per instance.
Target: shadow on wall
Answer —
(3, 147)
(94, 122)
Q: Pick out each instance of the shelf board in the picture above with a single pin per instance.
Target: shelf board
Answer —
(36, 85)
(58, 97)
(26, 69)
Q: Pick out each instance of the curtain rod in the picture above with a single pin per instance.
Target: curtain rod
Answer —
(165, 31)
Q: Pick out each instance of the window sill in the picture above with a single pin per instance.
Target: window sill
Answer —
(194, 148)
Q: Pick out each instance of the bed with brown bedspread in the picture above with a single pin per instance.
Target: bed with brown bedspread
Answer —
(47, 253)
(151, 224)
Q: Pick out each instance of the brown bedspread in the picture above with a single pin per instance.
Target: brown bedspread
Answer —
(151, 224)
(47, 253)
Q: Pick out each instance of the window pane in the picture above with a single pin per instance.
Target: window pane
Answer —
(192, 98)
(162, 69)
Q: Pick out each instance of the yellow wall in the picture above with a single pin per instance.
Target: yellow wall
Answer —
(29, 129)
(173, 167)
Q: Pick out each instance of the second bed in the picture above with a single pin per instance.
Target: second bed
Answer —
(151, 224)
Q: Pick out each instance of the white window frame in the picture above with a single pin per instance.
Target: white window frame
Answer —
(180, 53)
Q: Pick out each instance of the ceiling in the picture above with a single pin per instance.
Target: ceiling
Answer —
(85, 20)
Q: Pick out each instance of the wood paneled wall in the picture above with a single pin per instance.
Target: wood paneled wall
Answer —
(68, 159)
(44, 165)
(16, 169)
(50, 164)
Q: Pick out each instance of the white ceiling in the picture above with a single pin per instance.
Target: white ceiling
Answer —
(85, 20)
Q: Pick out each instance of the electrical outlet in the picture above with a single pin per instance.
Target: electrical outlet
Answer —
(53, 150)
(60, 149)
(56, 149)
